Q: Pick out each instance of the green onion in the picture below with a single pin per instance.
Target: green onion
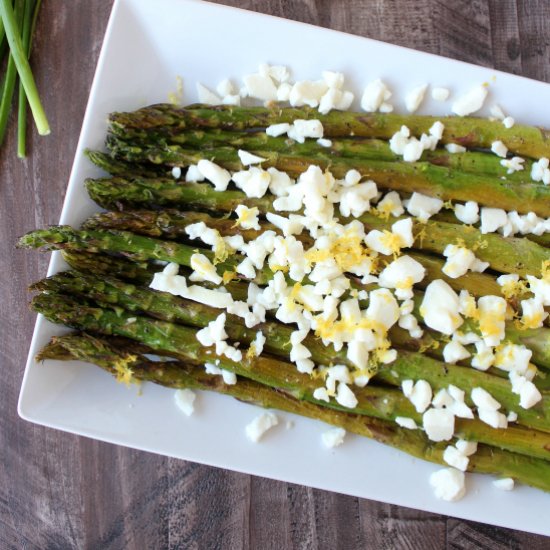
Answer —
(18, 53)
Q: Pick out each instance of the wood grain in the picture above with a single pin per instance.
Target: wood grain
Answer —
(59, 491)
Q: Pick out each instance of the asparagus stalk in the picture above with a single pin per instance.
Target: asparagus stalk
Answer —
(116, 293)
(181, 342)
(171, 224)
(537, 340)
(531, 471)
(354, 148)
(467, 131)
(144, 248)
(507, 255)
(423, 177)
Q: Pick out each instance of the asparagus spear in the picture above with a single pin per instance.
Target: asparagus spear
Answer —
(171, 224)
(510, 255)
(180, 375)
(423, 177)
(181, 342)
(144, 248)
(474, 162)
(467, 131)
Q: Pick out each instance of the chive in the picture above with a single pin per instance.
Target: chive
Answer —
(29, 23)
(8, 86)
(22, 64)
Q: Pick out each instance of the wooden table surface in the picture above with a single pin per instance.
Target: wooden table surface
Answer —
(59, 491)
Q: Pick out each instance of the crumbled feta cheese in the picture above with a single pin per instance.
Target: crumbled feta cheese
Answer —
(415, 97)
(333, 79)
(247, 217)
(492, 317)
(419, 393)
(448, 484)
(499, 149)
(440, 94)
(440, 307)
(283, 91)
(460, 260)
(204, 270)
(324, 142)
(225, 87)
(405, 422)
(193, 174)
(260, 87)
(467, 213)
(333, 438)
(217, 175)
(512, 416)
(402, 274)
(454, 352)
(206, 96)
(513, 357)
(261, 424)
(504, 484)
(345, 396)
(529, 394)
(176, 172)
(492, 219)
(374, 95)
(307, 92)
(413, 150)
(453, 457)
(399, 140)
(254, 181)
(508, 122)
(540, 288)
(247, 158)
(455, 148)
(470, 102)
(232, 100)
(276, 130)
(383, 308)
(185, 400)
(423, 207)
(439, 424)
(302, 129)
(515, 164)
(391, 203)
(533, 314)
(540, 171)
(484, 400)
(229, 378)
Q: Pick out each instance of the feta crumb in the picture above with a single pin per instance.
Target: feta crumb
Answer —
(206, 96)
(419, 394)
(405, 422)
(499, 149)
(176, 172)
(453, 457)
(492, 219)
(515, 164)
(470, 102)
(440, 307)
(307, 92)
(302, 129)
(439, 424)
(321, 394)
(260, 87)
(345, 396)
(256, 429)
(484, 400)
(415, 97)
(497, 112)
(467, 213)
(454, 352)
(440, 94)
(193, 174)
(248, 158)
(276, 130)
(467, 448)
(505, 484)
(324, 142)
(455, 148)
(374, 95)
(423, 206)
(448, 484)
(333, 438)
(219, 176)
(203, 270)
(540, 171)
(247, 217)
(512, 416)
(225, 87)
(185, 401)
(508, 122)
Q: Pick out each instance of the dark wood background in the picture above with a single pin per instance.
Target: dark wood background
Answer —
(59, 491)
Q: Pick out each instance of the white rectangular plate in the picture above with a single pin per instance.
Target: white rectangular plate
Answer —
(146, 46)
